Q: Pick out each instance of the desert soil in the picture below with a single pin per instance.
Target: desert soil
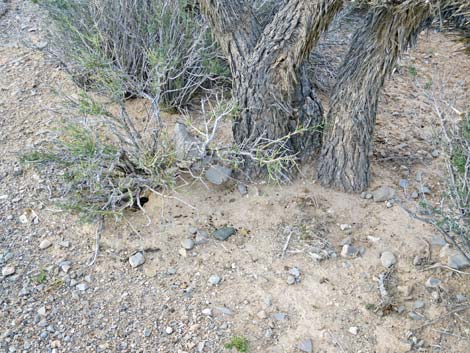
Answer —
(55, 302)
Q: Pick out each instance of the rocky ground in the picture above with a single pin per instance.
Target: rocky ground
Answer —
(291, 269)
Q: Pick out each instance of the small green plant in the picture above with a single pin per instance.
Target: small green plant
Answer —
(240, 343)
(428, 85)
(412, 71)
(41, 277)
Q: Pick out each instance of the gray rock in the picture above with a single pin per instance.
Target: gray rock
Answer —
(414, 195)
(424, 190)
(224, 311)
(435, 153)
(457, 261)
(279, 316)
(383, 193)
(65, 266)
(419, 304)
(201, 237)
(353, 330)
(291, 280)
(294, 271)
(242, 189)
(218, 174)
(214, 280)
(349, 251)
(82, 286)
(187, 244)
(207, 312)
(147, 332)
(137, 260)
(306, 346)
(64, 244)
(419, 176)
(404, 183)
(433, 282)
(187, 146)
(171, 271)
(461, 298)
(415, 316)
(8, 271)
(388, 259)
(369, 196)
(45, 244)
(224, 233)
(42, 311)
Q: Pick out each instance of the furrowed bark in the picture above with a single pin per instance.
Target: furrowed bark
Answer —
(235, 27)
(388, 32)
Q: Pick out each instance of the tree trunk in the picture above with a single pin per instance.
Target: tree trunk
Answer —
(388, 32)
(279, 114)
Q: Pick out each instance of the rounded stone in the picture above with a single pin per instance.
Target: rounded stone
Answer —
(214, 280)
(388, 259)
(187, 244)
(45, 244)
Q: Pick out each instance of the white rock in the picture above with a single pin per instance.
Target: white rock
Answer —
(137, 260)
(388, 259)
(82, 286)
(353, 330)
(207, 312)
(8, 271)
(187, 244)
(45, 244)
(344, 227)
(42, 311)
(214, 280)
(306, 346)
(169, 330)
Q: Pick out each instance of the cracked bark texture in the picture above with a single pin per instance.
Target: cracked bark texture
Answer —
(275, 97)
(347, 141)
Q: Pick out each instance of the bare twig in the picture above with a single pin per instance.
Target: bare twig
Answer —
(99, 229)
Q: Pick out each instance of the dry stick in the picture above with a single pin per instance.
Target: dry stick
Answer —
(99, 229)
(432, 322)
(286, 245)
(443, 332)
(438, 227)
(447, 268)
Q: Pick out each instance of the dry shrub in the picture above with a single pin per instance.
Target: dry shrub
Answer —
(145, 47)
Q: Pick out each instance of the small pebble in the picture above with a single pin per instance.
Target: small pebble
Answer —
(433, 282)
(306, 346)
(82, 286)
(419, 304)
(207, 312)
(290, 280)
(214, 280)
(353, 330)
(169, 330)
(187, 244)
(388, 259)
(137, 260)
(45, 244)
(147, 332)
(8, 271)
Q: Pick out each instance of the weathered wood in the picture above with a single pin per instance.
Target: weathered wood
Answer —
(277, 104)
(388, 32)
